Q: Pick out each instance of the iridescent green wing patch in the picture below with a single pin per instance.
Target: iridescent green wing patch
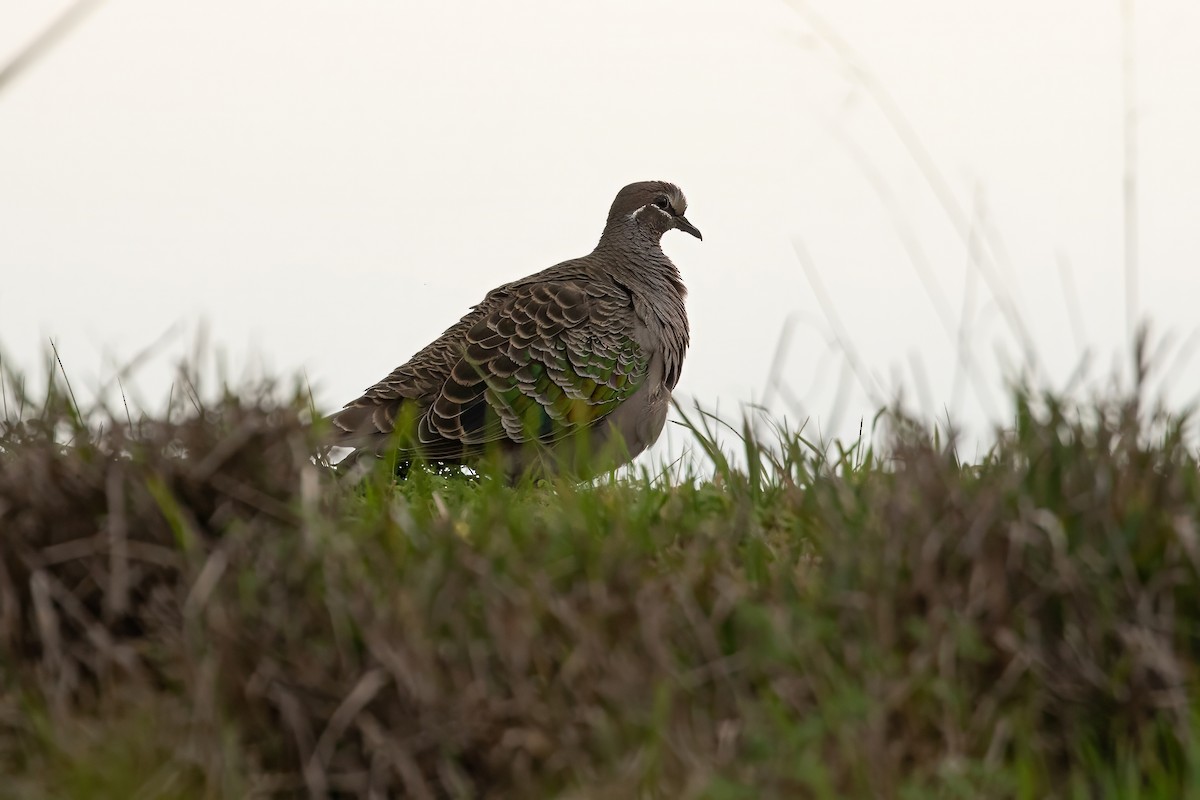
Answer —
(552, 359)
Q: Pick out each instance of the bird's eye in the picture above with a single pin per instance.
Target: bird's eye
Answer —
(662, 203)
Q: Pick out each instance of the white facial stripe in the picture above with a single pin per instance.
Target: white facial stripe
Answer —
(634, 215)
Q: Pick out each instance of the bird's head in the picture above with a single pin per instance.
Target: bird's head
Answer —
(652, 206)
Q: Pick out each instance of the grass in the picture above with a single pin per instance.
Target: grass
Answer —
(190, 607)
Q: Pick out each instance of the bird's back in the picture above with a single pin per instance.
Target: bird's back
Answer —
(370, 420)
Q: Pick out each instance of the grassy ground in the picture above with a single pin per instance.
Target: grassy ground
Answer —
(190, 607)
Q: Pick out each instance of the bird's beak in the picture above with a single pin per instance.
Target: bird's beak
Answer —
(687, 227)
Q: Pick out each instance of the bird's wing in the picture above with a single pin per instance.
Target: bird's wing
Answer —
(553, 358)
(538, 362)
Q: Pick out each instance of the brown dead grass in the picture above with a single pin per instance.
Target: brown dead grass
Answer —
(193, 605)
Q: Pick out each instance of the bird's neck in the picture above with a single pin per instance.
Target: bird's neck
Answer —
(627, 236)
(638, 255)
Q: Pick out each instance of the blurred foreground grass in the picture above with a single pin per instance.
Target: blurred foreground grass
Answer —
(189, 607)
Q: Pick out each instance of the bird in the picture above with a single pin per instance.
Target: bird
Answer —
(568, 370)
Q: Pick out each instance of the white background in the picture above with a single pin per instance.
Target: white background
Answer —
(329, 185)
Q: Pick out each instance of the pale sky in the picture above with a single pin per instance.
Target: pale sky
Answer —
(329, 185)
